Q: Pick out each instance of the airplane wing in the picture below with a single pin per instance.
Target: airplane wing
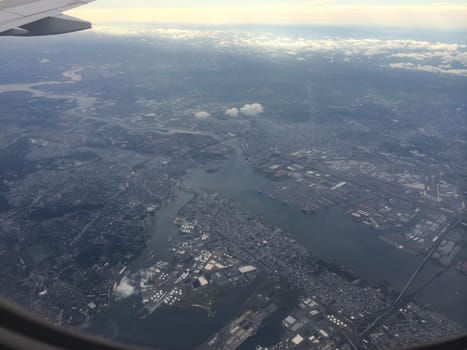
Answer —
(39, 17)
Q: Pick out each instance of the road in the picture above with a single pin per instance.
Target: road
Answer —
(400, 299)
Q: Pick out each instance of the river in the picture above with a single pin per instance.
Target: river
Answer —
(329, 234)
(332, 234)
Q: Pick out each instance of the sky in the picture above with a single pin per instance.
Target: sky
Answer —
(450, 14)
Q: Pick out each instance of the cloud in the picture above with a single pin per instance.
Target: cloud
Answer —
(402, 65)
(252, 110)
(202, 115)
(232, 112)
(442, 69)
(432, 57)
(45, 61)
(124, 289)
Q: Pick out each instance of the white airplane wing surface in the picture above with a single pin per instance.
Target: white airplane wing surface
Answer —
(39, 17)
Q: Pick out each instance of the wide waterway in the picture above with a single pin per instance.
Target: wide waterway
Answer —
(334, 235)
(329, 234)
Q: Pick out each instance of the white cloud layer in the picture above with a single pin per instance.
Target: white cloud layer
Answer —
(445, 69)
(252, 110)
(232, 112)
(202, 115)
(434, 57)
(124, 289)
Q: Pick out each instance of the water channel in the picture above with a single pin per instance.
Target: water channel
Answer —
(329, 234)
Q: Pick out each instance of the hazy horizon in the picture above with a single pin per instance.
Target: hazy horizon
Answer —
(413, 14)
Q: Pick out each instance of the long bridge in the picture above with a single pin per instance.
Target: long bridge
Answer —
(369, 322)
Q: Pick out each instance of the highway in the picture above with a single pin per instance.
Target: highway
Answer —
(433, 248)
(398, 301)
